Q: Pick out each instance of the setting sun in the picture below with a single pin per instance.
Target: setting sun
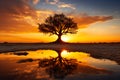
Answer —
(65, 38)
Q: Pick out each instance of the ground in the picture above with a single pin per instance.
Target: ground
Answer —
(99, 50)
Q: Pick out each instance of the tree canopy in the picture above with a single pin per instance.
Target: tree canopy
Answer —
(58, 24)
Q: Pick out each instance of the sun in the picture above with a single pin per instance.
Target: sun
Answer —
(65, 38)
(64, 53)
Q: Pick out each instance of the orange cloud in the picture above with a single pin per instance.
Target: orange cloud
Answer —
(43, 14)
(85, 20)
(36, 1)
(19, 16)
(13, 14)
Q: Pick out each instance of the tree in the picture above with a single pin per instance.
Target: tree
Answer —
(59, 25)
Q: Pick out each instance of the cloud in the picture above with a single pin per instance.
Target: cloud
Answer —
(19, 16)
(85, 20)
(43, 14)
(54, 2)
(13, 13)
(64, 5)
(36, 1)
(60, 4)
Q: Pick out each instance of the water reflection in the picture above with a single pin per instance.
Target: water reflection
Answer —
(56, 64)
(59, 67)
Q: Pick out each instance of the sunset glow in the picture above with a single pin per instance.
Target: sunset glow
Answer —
(19, 20)
(65, 38)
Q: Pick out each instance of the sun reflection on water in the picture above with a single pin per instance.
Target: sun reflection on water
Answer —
(64, 53)
(79, 56)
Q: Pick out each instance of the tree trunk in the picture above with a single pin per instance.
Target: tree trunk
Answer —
(60, 58)
(59, 39)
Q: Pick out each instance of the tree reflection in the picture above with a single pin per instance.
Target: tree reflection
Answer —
(58, 67)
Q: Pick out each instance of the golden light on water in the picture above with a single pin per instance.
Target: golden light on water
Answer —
(80, 56)
(64, 53)
(42, 54)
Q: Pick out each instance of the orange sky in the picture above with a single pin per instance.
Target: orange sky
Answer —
(18, 23)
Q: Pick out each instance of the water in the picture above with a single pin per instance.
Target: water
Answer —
(47, 65)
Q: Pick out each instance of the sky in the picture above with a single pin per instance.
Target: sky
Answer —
(97, 20)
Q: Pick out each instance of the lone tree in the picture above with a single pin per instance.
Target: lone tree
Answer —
(58, 25)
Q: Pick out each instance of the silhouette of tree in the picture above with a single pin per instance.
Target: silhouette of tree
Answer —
(59, 67)
(58, 25)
